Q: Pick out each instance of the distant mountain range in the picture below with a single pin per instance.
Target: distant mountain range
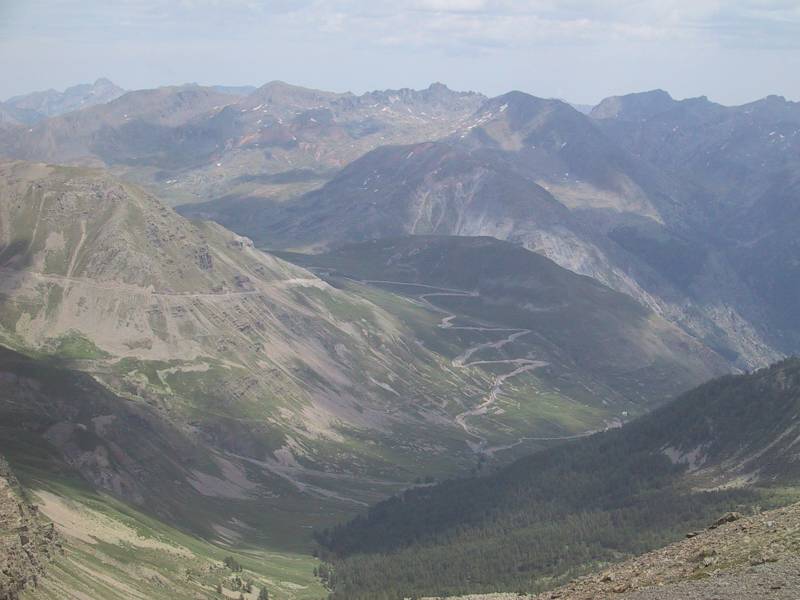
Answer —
(654, 197)
(361, 295)
(37, 106)
(539, 173)
(636, 194)
(197, 143)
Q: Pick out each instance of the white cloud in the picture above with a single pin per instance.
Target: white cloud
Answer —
(569, 41)
(446, 24)
(451, 5)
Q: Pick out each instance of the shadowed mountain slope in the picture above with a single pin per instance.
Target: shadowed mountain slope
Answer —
(547, 517)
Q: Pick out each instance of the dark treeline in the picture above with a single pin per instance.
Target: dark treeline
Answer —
(548, 517)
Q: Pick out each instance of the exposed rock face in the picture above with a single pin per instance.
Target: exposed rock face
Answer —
(203, 259)
(27, 543)
(742, 164)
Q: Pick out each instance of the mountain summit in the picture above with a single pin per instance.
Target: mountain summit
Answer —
(51, 103)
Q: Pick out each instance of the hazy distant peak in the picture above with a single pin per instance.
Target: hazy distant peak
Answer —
(774, 109)
(438, 88)
(513, 99)
(51, 103)
(295, 96)
(774, 100)
(436, 96)
(520, 99)
(520, 108)
(640, 105)
(278, 86)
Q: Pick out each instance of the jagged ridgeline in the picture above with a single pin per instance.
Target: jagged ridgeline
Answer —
(729, 444)
(196, 143)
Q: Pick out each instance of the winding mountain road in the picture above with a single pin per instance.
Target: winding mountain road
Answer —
(520, 365)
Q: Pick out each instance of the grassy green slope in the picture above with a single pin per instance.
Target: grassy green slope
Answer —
(52, 416)
(596, 339)
(256, 356)
(75, 446)
(115, 552)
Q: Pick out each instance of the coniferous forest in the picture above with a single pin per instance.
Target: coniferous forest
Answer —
(551, 516)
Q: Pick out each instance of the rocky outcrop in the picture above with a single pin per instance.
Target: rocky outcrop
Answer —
(27, 543)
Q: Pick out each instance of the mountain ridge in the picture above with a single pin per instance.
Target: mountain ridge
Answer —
(618, 219)
(222, 146)
(51, 103)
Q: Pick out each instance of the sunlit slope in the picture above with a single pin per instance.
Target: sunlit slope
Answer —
(77, 543)
(261, 359)
(588, 333)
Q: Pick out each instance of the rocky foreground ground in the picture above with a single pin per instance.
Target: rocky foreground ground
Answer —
(27, 542)
(736, 558)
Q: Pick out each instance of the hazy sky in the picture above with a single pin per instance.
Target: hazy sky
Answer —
(733, 51)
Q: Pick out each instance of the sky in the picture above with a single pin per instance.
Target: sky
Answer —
(732, 51)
